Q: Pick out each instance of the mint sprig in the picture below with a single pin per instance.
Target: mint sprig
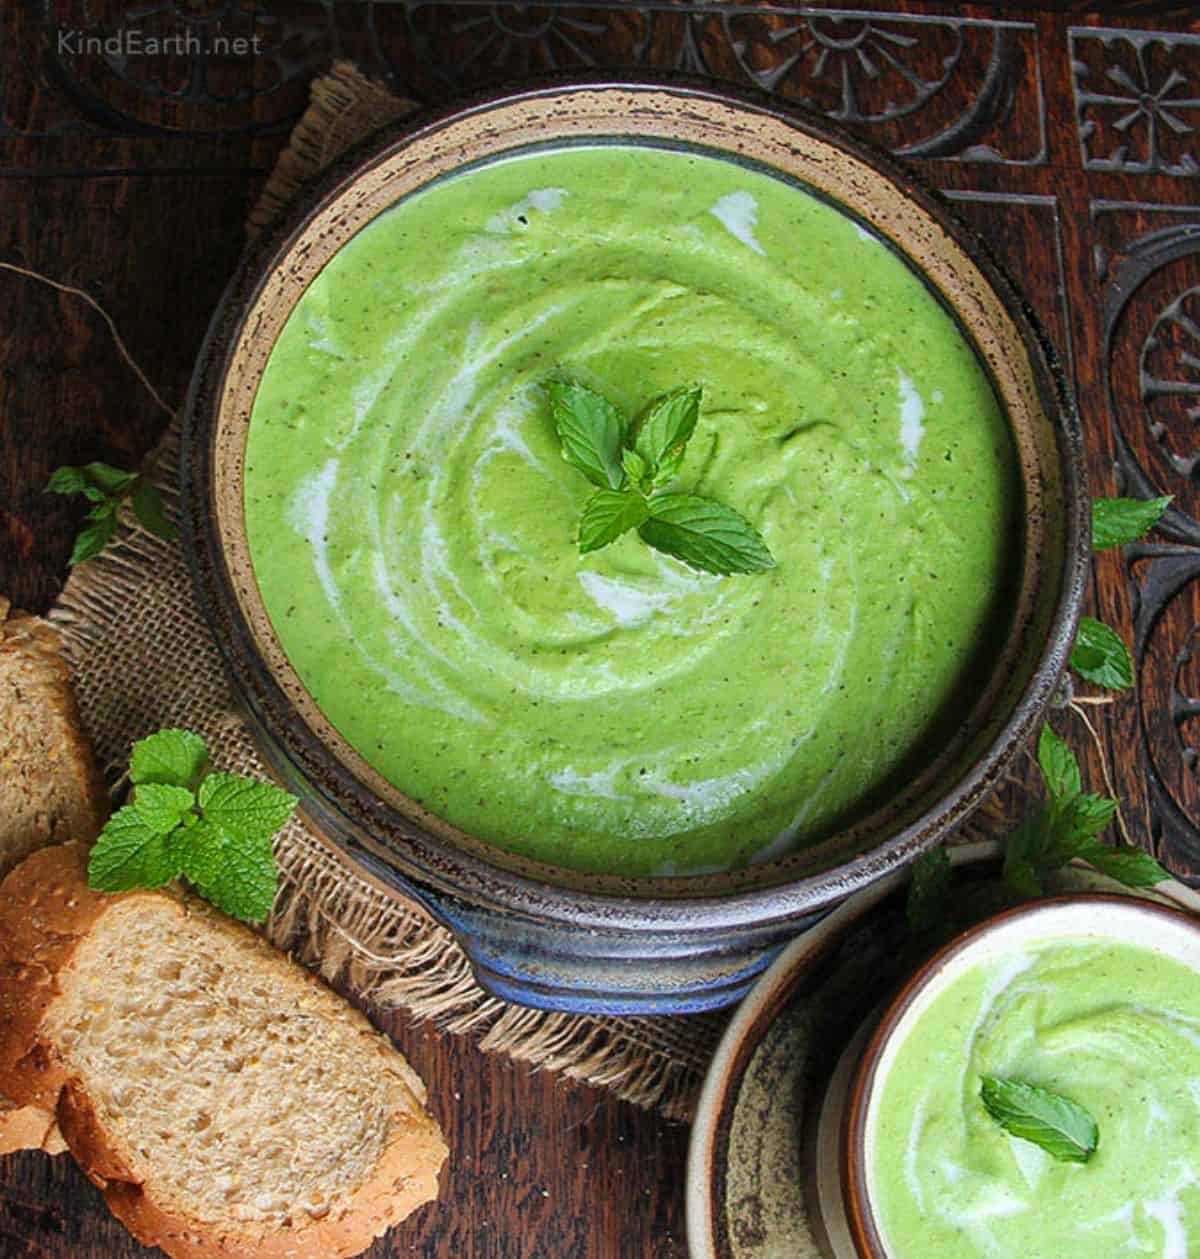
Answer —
(1061, 1127)
(705, 534)
(106, 488)
(1067, 827)
(1100, 656)
(591, 430)
(631, 466)
(210, 827)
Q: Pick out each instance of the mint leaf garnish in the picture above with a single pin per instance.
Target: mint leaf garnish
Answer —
(928, 890)
(106, 487)
(213, 828)
(148, 507)
(705, 534)
(244, 880)
(244, 806)
(595, 439)
(1117, 521)
(69, 480)
(161, 806)
(92, 539)
(1134, 867)
(1128, 865)
(607, 515)
(1063, 1128)
(667, 428)
(1059, 766)
(1066, 829)
(177, 757)
(636, 468)
(591, 431)
(1101, 657)
(1083, 817)
(109, 481)
(131, 852)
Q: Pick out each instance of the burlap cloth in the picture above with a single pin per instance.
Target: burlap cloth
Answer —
(144, 659)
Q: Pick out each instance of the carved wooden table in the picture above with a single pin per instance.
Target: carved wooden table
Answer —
(1071, 140)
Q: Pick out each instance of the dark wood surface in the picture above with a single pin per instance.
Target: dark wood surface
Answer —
(1071, 139)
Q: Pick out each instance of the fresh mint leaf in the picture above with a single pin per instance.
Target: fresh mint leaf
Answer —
(1126, 864)
(1024, 854)
(1083, 817)
(636, 468)
(104, 486)
(148, 507)
(1101, 657)
(1052, 836)
(1061, 1127)
(228, 853)
(69, 480)
(198, 849)
(668, 469)
(110, 481)
(104, 509)
(162, 806)
(244, 806)
(667, 428)
(93, 538)
(215, 829)
(591, 431)
(1059, 767)
(176, 757)
(131, 851)
(928, 890)
(1117, 521)
(705, 534)
(608, 514)
(245, 880)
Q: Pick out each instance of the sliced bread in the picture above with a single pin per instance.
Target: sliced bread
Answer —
(50, 790)
(224, 1101)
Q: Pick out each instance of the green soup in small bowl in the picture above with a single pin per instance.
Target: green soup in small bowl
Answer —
(1080, 1019)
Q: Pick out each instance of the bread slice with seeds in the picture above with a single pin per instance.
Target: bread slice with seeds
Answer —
(50, 790)
(223, 1099)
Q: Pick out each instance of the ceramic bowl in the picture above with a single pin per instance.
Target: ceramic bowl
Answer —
(764, 1177)
(1167, 931)
(558, 938)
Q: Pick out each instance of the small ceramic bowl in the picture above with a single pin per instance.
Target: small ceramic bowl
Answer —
(863, 1074)
(609, 943)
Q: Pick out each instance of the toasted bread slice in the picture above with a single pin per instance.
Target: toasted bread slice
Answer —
(50, 790)
(224, 1101)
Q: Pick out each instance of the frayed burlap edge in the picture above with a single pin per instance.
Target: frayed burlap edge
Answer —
(345, 107)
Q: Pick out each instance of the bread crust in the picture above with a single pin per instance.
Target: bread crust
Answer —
(56, 771)
(28, 1128)
(46, 910)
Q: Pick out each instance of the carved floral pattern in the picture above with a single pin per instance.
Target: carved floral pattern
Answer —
(1151, 305)
(1137, 97)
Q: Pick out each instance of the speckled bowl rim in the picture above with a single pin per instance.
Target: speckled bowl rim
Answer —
(716, 1108)
(421, 846)
(864, 1230)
